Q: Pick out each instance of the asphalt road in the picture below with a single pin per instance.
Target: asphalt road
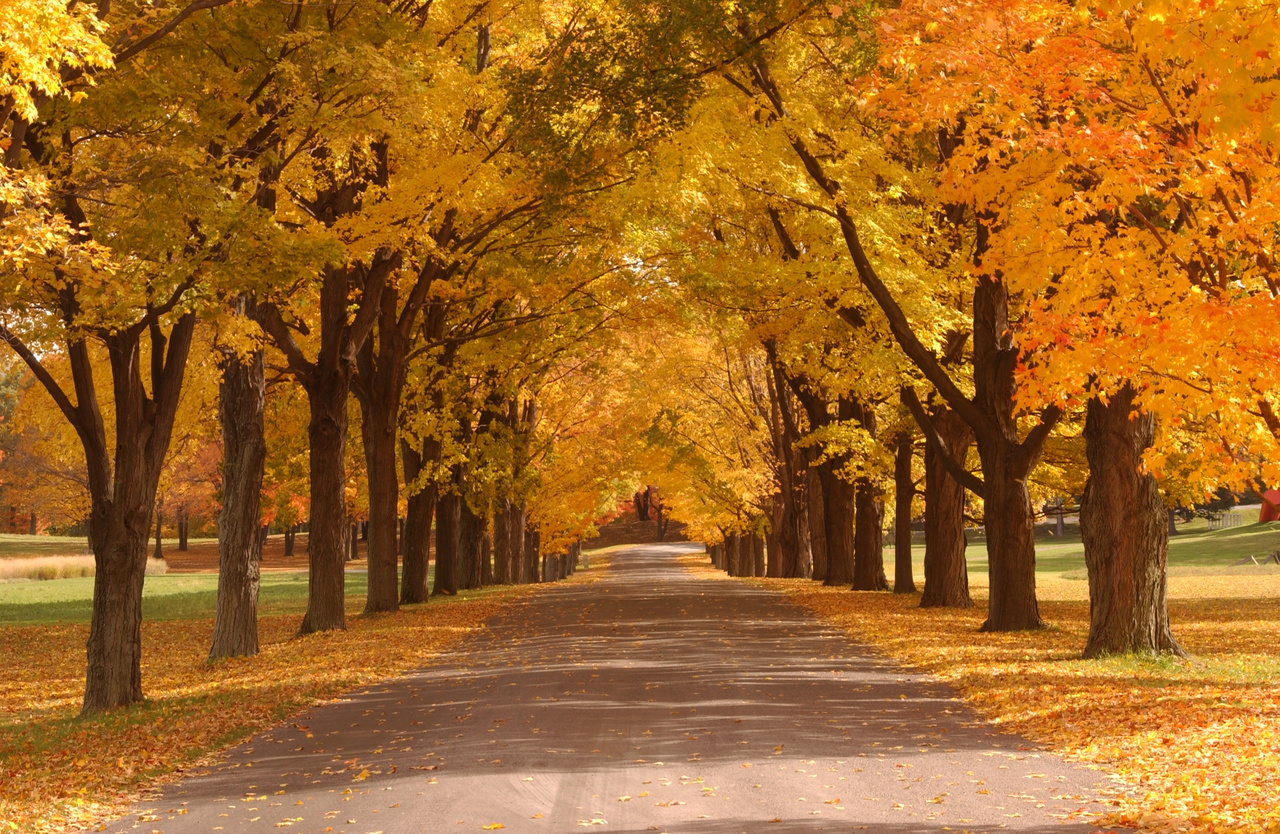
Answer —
(650, 700)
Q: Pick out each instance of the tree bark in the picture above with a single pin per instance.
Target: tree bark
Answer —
(1123, 525)
(532, 550)
(868, 546)
(470, 533)
(122, 500)
(757, 555)
(183, 526)
(904, 487)
(380, 413)
(244, 452)
(417, 530)
(946, 574)
(838, 497)
(502, 573)
(817, 523)
(158, 553)
(448, 522)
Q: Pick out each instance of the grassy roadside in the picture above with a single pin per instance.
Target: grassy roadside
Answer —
(62, 772)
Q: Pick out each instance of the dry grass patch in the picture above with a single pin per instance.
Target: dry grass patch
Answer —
(1198, 740)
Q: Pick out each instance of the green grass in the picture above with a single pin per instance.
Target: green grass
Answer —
(21, 547)
(169, 597)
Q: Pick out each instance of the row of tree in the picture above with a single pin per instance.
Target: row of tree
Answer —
(758, 251)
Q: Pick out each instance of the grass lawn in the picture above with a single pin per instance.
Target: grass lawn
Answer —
(168, 597)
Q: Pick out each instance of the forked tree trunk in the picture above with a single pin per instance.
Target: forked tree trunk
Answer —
(244, 453)
(1006, 461)
(946, 574)
(1123, 525)
(448, 522)
(868, 545)
(122, 499)
(904, 487)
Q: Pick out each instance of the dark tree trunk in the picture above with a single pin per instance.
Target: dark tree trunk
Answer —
(122, 500)
(946, 574)
(838, 497)
(1011, 544)
(158, 553)
(733, 554)
(1173, 522)
(817, 523)
(327, 538)
(532, 551)
(417, 524)
(327, 382)
(290, 536)
(244, 453)
(1006, 460)
(379, 398)
(183, 524)
(470, 535)
(904, 487)
(353, 542)
(32, 526)
(502, 573)
(716, 552)
(1123, 525)
(519, 562)
(757, 555)
(448, 523)
(486, 554)
(868, 545)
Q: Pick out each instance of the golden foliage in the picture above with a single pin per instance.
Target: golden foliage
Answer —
(1195, 740)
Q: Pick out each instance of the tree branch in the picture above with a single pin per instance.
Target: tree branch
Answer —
(955, 468)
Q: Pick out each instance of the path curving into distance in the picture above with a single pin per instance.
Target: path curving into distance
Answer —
(650, 700)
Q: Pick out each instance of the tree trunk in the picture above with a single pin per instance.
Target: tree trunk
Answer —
(946, 574)
(733, 554)
(1008, 515)
(122, 500)
(817, 523)
(1124, 528)
(244, 453)
(904, 487)
(380, 412)
(470, 533)
(448, 522)
(327, 539)
(837, 516)
(417, 524)
(502, 564)
(519, 563)
(868, 544)
(290, 536)
(158, 553)
(183, 526)
(757, 555)
(532, 551)
(1011, 545)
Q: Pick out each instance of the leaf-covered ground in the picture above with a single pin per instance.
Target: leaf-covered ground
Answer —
(1199, 740)
(61, 772)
